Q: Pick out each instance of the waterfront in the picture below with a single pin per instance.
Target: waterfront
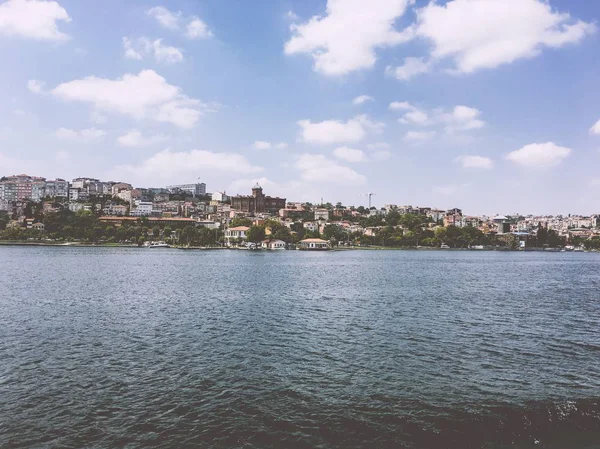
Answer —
(124, 347)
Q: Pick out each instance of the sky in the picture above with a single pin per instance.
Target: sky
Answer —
(491, 106)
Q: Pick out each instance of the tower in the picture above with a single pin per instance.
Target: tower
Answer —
(259, 199)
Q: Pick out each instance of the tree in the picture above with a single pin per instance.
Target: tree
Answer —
(238, 221)
(255, 234)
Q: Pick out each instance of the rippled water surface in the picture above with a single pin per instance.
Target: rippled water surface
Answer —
(134, 348)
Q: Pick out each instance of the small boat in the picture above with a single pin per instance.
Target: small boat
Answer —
(157, 245)
(444, 246)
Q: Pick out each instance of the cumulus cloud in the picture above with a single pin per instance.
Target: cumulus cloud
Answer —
(596, 128)
(136, 139)
(317, 168)
(171, 166)
(349, 154)
(146, 95)
(194, 27)
(419, 136)
(263, 145)
(463, 118)
(540, 155)
(362, 99)
(197, 29)
(346, 37)
(35, 86)
(33, 19)
(460, 118)
(484, 34)
(164, 17)
(142, 48)
(473, 161)
(411, 68)
(400, 106)
(335, 131)
(83, 136)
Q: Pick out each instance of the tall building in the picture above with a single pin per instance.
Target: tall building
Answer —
(57, 188)
(198, 189)
(23, 187)
(257, 202)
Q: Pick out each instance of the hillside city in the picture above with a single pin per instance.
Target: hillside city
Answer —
(90, 210)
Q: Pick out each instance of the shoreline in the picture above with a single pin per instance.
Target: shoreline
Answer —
(341, 249)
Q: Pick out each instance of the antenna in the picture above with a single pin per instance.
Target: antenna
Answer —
(370, 195)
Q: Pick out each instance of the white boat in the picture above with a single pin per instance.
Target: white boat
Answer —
(444, 246)
(157, 245)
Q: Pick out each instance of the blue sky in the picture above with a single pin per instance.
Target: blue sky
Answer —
(488, 105)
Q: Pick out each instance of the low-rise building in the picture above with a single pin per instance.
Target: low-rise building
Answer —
(321, 214)
(272, 244)
(237, 233)
(313, 245)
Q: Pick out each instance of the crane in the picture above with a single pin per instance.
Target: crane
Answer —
(370, 195)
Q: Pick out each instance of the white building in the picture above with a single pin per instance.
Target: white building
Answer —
(237, 233)
(321, 214)
(142, 209)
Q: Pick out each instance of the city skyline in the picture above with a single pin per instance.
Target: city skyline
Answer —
(501, 118)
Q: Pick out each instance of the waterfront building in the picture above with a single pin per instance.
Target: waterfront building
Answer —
(313, 244)
(257, 202)
(198, 189)
(237, 233)
(272, 244)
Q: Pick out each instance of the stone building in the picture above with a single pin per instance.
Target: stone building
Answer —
(257, 203)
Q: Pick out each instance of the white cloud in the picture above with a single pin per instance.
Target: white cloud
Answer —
(539, 155)
(164, 17)
(362, 99)
(98, 118)
(171, 166)
(143, 96)
(317, 168)
(291, 15)
(19, 112)
(419, 136)
(595, 182)
(400, 106)
(263, 145)
(480, 34)
(35, 86)
(34, 19)
(596, 128)
(379, 146)
(335, 131)
(197, 29)
(415, 117)
(135, 139)
(473, 161)
(346, 37)
(62, 155)
(83, 136)
(142, 47)
(411, 68)
(350, 154)
(463, 118)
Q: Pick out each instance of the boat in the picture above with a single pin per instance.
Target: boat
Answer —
(157, 245)
(444, 246)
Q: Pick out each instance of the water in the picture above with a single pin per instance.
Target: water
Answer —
(133, 348)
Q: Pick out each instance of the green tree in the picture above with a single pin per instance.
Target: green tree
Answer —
(256, 234)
